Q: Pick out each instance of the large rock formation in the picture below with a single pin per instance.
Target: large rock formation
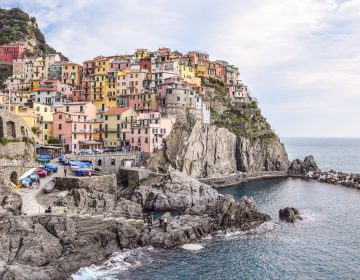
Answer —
(203, 150)
(174, 191)
(298, 167)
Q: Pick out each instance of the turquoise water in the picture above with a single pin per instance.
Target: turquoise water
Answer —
(325, 245)
(341, 154)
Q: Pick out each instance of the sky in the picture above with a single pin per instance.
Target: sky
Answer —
(300, 58)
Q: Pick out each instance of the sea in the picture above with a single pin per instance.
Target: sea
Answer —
(324, 245)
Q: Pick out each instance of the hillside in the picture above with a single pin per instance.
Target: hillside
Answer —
(239, 139)
(16, 25)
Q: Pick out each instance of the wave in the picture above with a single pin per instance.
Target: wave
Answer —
(109, 270)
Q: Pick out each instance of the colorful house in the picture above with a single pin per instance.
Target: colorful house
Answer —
(75, 131)
(71, 73)
(18, 50)
(148, 133)
(117, 123)
(141, 53)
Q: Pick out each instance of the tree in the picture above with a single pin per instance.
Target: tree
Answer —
(53, 140)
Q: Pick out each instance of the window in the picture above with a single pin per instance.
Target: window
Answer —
(118, 117)
(60, 117)
(38, 109)
(60, 126)
(146, 140)
(67, 108)
(132, 140)
(132, 131)
(178, 98)
(146, 131)
(46, 126)
(139, 140)
(112, 161)
(45, 137)
(106, 118)
(139, 131)
(99, 162)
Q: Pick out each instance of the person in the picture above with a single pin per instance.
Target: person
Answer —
(65, 171)
(38, 182)
(161, 222)
(165, 224)
(48, 210)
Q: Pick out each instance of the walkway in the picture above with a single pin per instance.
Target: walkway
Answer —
(30, 204)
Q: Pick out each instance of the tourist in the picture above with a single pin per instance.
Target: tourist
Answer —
(38, 182)
(65, 171)
(48, 210)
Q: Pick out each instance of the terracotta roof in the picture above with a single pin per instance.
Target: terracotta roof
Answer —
(116, 111)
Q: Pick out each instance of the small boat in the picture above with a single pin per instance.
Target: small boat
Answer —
(26, 182)
(84, 172)
(34, 177)
(75, 165)
(50, 166)
(41, 172)
(45, 158)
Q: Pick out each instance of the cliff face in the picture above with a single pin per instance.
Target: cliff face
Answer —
(238, 139)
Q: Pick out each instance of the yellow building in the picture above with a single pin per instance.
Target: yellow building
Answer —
(71, 74)
(29, 115)
(34, 84)
(187, 73)
(141, 53)
(200, 70)
(116, 127)
(45, 113)
(99, 83)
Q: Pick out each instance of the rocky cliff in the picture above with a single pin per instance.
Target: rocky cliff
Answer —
(237, 139)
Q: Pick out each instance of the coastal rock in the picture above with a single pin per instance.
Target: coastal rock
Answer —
(289, 214)
(174, 191)
(208, 150)
(10, 201)
(310, 164)
(307, 166)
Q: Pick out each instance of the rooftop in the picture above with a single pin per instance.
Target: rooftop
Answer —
(116, 111)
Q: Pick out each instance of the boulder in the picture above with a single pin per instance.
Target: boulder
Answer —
(289, 214)
(174, 191)
(310, 164)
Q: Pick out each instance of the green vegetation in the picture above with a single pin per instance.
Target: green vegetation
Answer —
(253, 104)
(16, 25)
(54, 140)
(5, 141)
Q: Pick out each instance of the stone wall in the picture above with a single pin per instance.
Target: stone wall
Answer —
(109, 162)
(103, 183)
(12, 126)
(15, 159)
(130, 176)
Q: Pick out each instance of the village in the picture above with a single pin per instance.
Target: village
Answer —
(111, 103)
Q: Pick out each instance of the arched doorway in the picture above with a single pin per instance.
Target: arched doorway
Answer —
(14, 177)
(10, 129)
(1, 128)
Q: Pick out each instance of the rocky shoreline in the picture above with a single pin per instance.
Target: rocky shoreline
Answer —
(308, 169)
(50, 246)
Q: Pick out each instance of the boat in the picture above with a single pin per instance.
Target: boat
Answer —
(75, 165)
(45, 158)
(84, 172)
(34, 177)
(41, 172)
(26, 182)
(50, 166)
(27, 174)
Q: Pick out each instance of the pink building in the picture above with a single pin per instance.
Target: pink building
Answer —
(119, 64)
(148, 133)
(87, 108)
(75, 130)
(10, 52)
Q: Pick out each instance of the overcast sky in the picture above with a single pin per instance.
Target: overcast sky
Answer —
(300, 58)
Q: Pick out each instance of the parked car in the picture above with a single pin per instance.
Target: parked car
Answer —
(52, 167)
(41, 172)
